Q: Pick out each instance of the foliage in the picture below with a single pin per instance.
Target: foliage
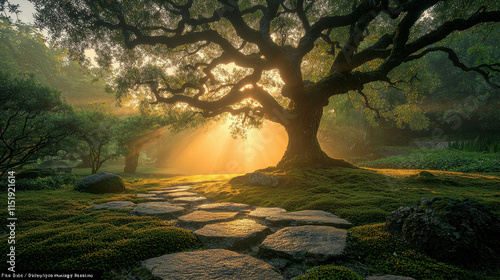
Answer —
(279, 60)
(448, 160)
(484, 143)
(329, 272)
(49, 183)
(95, 128)
(33, 118)
(358, 195)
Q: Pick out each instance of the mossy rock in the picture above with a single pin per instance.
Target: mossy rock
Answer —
(461, 232)
(329, 272)
(104, 182)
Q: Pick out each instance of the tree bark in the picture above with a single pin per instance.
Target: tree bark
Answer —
(303, 148)
(131, 162)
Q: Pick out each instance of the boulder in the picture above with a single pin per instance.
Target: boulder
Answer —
(210, 265)
(239, 235)
(307, 217)
(262, 179)
(459, 232)
(104, 182)
(305, 243)
(163, 210)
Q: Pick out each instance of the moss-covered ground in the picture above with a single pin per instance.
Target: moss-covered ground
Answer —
(362, 196)
(57, 230)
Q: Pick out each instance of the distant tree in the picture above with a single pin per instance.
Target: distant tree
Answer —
(7, 9)
(33, 118)
(23, 49)
(96, 128)
(290, 57)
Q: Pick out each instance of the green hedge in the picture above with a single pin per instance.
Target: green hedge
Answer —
(446, 160)
(47, 183)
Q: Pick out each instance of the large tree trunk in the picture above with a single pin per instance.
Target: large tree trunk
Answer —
(303, 148)
(131, 162)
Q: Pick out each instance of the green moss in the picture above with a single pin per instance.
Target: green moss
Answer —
(359, 195)
(329, 272)
(57, 232)
(101, 243)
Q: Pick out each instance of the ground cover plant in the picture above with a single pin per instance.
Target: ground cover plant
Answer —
(365, 197)
(57, 229)
(362, 196)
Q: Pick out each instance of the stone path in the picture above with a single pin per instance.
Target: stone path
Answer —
(271, 234)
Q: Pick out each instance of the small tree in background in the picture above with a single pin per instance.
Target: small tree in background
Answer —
(96, 129)
(33, 119)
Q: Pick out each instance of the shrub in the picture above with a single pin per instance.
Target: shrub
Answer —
(46, 183)
(484, 143)
(447, 160)
(329, 272)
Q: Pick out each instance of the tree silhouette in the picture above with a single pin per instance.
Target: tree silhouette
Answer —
(180, 52)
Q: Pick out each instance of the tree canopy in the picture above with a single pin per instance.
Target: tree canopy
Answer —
(276, 60)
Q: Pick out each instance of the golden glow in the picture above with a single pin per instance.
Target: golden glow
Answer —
(212, 150)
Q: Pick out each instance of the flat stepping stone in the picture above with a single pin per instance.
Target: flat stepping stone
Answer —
(239, 234)
(183, 189)
(114, 205)
(157, 192)
(263, 212)
(389, 277)
(198, 219)
(163, 210)
(309, 243)
(225, 206)
(150, 196)
(179, 194)
(307, 217)
(210, 265)
(190, 199)
(146, 195)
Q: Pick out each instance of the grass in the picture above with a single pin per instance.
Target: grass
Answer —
(57, 230)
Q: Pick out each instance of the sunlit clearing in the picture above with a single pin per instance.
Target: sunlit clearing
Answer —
(212, 150)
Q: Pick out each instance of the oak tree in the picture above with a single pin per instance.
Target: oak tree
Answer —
(280, 60)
